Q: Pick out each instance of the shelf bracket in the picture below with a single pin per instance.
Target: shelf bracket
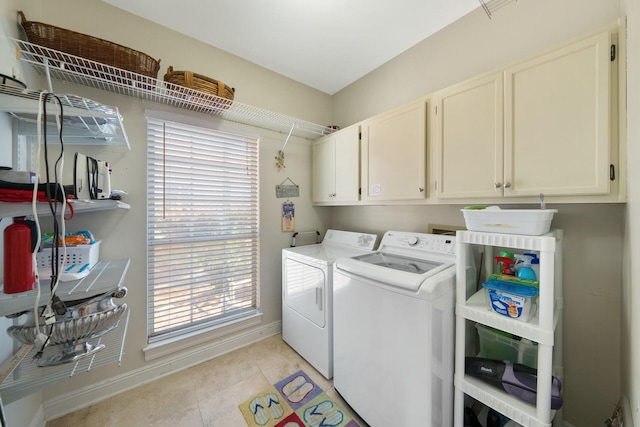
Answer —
(280, 156)
(48, 74)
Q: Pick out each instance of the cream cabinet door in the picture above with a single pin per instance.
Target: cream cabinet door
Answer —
(336, 167)
(394, 155)
(323, 169)
(469, 139)
(557, 122)
(347, 165)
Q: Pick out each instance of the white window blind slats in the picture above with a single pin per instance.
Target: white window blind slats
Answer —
(202, 227)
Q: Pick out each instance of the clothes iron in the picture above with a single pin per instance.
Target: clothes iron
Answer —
(516, 379)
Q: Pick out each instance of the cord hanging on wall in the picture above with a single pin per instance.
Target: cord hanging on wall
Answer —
(280, 157)
(491, 6)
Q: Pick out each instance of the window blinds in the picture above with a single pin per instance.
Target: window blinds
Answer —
(202, 227)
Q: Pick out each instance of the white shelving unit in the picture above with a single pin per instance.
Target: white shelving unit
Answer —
(28, 377)
(544, 328)
(69, 68)
(12, 210)
(85, 121)
(104, 276)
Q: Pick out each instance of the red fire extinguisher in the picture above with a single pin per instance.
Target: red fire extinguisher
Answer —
(19, 242)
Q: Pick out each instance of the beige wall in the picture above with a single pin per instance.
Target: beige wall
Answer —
(592, 274)
(123, 232)
(467, 48)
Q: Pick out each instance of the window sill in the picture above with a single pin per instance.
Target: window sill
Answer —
(168, 346)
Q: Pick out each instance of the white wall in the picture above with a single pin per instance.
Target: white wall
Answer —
(592, 275)
(631, 271)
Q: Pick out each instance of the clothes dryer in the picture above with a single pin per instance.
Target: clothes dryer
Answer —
(307, 294)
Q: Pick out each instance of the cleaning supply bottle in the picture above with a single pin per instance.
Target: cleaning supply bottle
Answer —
(507, 264)
(535, 263)
(524, 269)
(506, 254)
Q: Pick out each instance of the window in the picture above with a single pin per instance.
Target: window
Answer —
(202, 228)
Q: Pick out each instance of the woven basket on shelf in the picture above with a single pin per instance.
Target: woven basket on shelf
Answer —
(203, 84)
(92, 48)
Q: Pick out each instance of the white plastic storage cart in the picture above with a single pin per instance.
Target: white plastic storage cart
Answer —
(544, 327)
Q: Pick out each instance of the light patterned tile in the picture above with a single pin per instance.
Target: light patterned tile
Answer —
(92, 416)
(205, 395)
(144, 403)
(223, 372)
(271, 352)
(224, 404)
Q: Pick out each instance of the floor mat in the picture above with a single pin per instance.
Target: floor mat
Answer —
(295, 401)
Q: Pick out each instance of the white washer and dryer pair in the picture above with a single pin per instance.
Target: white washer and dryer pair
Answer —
(307, 294)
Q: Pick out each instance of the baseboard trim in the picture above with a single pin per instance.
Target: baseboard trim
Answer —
(627, 412)
(64, 404)
(38, 418)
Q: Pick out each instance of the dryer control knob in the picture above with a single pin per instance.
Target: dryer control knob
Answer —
(413, 240)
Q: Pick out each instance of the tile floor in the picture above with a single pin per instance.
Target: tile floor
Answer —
(205, 395)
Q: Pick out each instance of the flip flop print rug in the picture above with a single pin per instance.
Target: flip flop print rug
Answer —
(295, 401)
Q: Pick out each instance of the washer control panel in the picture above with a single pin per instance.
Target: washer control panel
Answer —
(438, 243)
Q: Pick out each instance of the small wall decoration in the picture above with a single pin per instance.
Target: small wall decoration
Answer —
(288, 216)
(287, 191)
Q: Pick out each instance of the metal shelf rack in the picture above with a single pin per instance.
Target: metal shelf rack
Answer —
(28, 377)
(12, 210)
(104, 276)
(85, 121)
(69, 68)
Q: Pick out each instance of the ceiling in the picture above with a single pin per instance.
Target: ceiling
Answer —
(325, 44)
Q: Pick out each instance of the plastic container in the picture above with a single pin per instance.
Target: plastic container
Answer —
(79, 255)
(533, 222)
(502, 346)
(510, 299)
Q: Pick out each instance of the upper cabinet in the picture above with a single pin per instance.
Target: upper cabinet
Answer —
(336, 167)
(541, 126)
(557, 122)
(394, 155)
(469, 141)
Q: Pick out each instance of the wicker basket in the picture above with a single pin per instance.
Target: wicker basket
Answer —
(203, 84)
(92, 48)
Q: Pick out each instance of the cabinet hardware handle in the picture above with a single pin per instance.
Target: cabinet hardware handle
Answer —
(421, 189)
(507, 185)
(497, 185)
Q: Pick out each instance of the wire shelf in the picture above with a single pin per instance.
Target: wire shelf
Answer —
(69, 68)
(104, 276)
(491, 6)
(28, 377)
(85, 121)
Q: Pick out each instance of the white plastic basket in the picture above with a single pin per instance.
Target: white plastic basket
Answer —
(79, 255)
(533, 222)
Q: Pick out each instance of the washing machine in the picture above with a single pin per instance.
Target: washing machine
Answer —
(307, 294)
(394, 331)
